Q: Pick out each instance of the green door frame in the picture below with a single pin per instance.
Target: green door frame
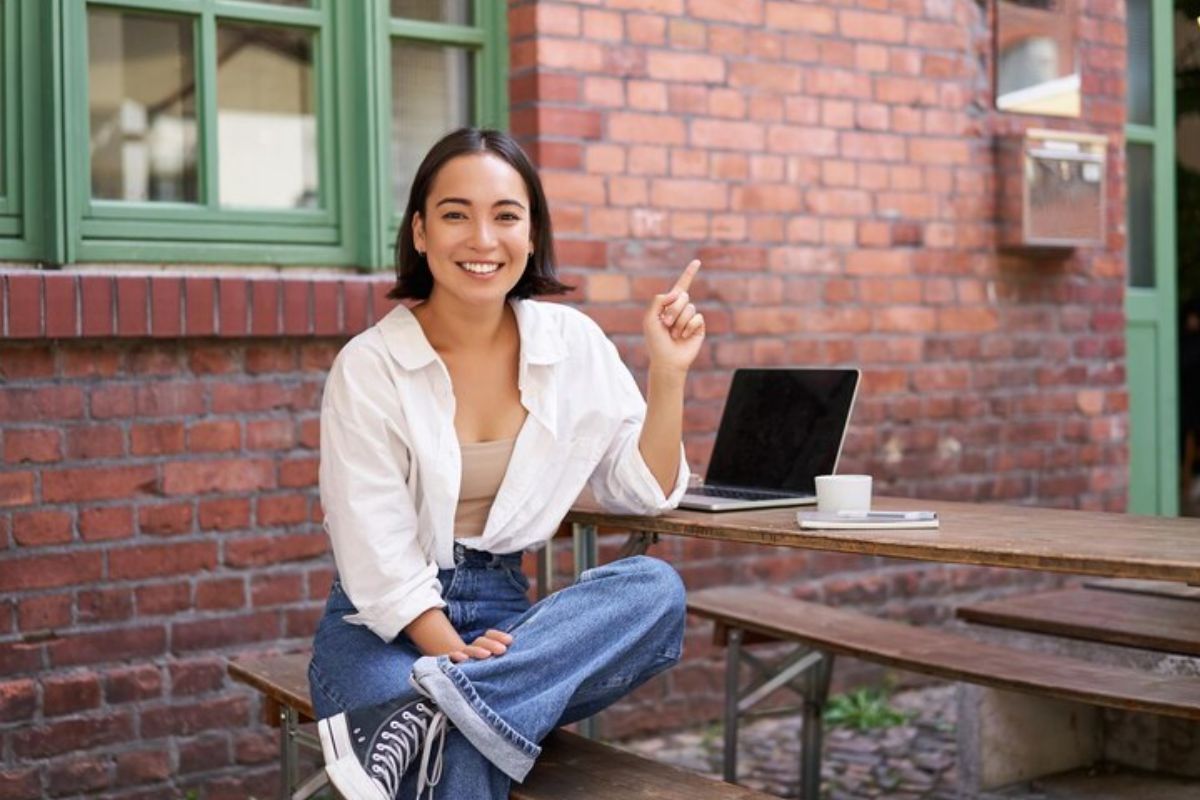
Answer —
(1150, 313)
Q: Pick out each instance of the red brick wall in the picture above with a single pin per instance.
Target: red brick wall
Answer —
(833, 167)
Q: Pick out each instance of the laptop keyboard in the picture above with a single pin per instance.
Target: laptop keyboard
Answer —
(738, 494)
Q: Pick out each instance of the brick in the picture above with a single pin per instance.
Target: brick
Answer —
(742, 12)
(272, 590)
(110, 645)
(215, 436)
(166, 306)
(232, 307)
(646, 129)
(44, 612)
(101, 483)
(225, 514)
(62, 318)
(318, 357)
(297, 317)
(872, 26)
(220, 593)
(156, 440)
(724, 135)
(790, 15)
(40, 404)
(21, 658)
(255, 747)
(143, 766)
(72, 735)
(205, 753)
(686, 34)
(69, 694)
(196, 676)
(326, 308)
(232, 398)
(168, 519)
(202, 477)
(49, 571)
(82, 773)
(41, 528)
(152, 560)
(298, 472)
(301, 623)
(18, 701)
(38, 445)
(103, 524)
(133, 305)
(95, 441)
(226, 631)
(200, 305)
(20, 784)
(275, 549)
(168, 399)
(281, 510)
(166, 598)
(354, 298)
(271, 357)
(24, 294)
(105, 605)
(265, 314)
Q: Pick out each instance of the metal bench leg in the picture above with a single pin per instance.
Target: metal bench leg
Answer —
(733, 663)
(288, 723)
(815, 694)
(545, 570)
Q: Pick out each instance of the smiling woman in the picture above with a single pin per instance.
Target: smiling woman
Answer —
(455, 435)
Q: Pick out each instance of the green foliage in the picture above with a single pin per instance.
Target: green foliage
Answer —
(863, 710)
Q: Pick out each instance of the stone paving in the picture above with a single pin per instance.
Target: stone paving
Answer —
(905, 762)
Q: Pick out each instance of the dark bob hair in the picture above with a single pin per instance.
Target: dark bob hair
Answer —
(413, 278)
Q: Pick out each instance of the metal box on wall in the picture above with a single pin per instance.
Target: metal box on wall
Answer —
(1052, 188)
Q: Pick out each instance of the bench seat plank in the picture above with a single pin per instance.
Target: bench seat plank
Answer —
(573, 767)
(1167, 624)
(570, 766)
(948, 655)
(1183, 591)
(282, 678)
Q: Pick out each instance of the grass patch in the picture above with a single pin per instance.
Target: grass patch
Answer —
(863, 710)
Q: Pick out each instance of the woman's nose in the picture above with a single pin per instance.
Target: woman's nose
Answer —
(482, 235)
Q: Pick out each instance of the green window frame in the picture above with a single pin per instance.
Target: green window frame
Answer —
(354, 218)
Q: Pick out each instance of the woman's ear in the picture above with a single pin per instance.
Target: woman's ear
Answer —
(418, 230)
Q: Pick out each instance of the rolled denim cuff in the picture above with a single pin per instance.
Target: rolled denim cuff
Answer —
(438, 679)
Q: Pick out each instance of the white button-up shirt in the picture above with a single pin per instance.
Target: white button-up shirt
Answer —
(391, 465)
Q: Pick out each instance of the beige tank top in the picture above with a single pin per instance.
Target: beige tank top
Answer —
(483, 468)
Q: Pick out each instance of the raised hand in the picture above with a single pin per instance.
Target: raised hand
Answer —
(673, 328)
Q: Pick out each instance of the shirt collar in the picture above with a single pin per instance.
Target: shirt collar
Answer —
(406, 341)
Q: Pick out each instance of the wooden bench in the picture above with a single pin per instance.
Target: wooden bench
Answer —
(570, 766)
(1133, 619)
(744, 616)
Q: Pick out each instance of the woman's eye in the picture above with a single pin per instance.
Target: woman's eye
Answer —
(454, 215)
(510, 217)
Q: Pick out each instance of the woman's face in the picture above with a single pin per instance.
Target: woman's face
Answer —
(475, 229)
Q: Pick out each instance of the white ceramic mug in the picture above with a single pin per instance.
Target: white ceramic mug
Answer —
(843, 493)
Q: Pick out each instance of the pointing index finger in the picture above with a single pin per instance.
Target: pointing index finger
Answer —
(685, 280)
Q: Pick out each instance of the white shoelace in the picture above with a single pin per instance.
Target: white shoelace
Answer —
(396, 748)
(431, 774)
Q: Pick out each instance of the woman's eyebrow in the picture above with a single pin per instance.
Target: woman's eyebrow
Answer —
(466, 202)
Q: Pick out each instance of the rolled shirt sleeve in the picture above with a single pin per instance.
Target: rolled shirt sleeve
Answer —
(369, 511)
(622, 482)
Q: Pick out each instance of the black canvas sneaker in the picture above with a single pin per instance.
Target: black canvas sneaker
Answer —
(368, 750)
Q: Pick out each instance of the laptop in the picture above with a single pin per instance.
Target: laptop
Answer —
(780, 429)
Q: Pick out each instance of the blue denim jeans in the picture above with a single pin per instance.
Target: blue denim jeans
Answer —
(574, 653)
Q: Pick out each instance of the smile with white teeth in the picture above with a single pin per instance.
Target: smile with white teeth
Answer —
(479, 267)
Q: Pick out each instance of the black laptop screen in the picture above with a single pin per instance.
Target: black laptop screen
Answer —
(782, 427)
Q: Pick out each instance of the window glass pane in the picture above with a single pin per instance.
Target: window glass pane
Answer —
(1139, 59)
(457, 12)
(141, 106)
(432, 94)
(1139, 176)
(266, 120)
(305, 3)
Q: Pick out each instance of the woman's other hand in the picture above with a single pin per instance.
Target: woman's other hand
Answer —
(674, 329)
(492, 643)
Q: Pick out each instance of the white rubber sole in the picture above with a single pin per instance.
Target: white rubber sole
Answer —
(341, 766)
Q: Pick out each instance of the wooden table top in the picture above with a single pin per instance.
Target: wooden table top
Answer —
(1083, 542)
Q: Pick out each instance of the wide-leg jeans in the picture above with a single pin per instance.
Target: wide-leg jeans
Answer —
(573, 653)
